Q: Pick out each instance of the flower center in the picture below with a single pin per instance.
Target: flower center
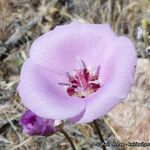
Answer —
(82, 82)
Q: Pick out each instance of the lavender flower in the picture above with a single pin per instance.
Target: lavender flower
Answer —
(78, 71)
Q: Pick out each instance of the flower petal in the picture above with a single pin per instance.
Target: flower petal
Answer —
(77, 118)
(41, 93)
(120, 60)
(59, 49)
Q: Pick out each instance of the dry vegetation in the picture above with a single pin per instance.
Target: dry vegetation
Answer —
(22, 21)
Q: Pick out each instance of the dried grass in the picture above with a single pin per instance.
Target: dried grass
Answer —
(34, 19)
(4, 19)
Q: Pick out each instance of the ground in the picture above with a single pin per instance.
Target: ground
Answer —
(21, 22)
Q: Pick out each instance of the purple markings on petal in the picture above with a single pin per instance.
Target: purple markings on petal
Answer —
(35, 125)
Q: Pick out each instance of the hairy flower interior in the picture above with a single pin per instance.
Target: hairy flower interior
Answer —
(83, 82)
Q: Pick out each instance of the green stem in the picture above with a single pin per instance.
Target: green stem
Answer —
(68, 138)
(99, 134)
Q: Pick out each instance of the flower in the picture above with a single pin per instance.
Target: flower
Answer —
(77, 71)
(35, 125)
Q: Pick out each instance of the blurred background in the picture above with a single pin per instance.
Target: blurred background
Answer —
(22, 21)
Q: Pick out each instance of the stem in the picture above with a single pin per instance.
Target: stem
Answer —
(99, 134)
(68, 138)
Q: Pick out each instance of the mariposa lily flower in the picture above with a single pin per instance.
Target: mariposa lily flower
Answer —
(35, 125)
(77, 71)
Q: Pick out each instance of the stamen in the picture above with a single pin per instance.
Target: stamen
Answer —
(80, 63)
(83, 83)
(64, 84)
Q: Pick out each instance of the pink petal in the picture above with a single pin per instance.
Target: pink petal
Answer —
(59, 49)
(119, 63)
(41, 93)
(77, 118)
